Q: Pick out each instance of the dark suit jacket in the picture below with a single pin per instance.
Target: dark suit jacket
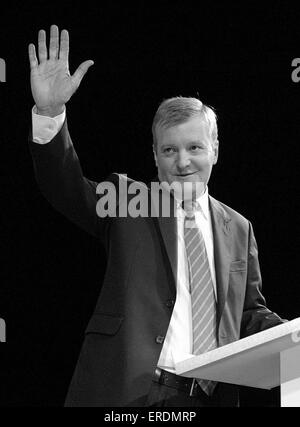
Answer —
(124, 337)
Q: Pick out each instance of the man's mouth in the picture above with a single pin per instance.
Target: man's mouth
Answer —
(183, 175)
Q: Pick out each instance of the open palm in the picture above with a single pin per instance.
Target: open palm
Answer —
(51, 83)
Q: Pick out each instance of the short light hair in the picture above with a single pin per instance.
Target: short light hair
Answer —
(178, 110)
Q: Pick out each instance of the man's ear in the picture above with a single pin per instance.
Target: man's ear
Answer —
(216, 151)
(155, 155)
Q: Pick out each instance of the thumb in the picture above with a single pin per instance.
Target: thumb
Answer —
(80, 72)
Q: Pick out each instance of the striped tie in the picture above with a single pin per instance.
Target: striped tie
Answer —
(202, 292)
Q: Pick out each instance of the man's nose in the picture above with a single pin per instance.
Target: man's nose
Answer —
(183, 160)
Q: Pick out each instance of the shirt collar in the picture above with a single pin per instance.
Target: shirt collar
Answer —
(203, 204)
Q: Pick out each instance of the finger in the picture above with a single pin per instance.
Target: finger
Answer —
(42, 46)
(64, 45)
(32, 56)
(53, 51)
(80, 72)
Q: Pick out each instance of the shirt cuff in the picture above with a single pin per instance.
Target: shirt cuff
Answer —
(45, 128)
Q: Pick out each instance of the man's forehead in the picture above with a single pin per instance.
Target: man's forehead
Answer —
(194, 129)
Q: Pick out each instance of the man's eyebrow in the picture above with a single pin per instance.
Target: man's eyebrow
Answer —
(192, 141)
(167, 144)
(196, 141)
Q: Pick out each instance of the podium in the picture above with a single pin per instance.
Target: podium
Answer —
(264, 360)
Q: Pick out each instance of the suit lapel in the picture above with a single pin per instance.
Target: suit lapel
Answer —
(222, 248)
(168, 228)
(222, 240)
(167, 224)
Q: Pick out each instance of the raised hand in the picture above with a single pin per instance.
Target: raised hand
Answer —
(51, 83)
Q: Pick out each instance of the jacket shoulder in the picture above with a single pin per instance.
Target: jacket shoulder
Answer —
(228, 212)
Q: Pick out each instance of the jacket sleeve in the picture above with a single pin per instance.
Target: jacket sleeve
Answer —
(59, 176)
(256, 316)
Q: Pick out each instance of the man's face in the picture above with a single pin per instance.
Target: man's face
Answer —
(185, 153)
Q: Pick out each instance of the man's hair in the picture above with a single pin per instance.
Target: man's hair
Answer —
(178, 110)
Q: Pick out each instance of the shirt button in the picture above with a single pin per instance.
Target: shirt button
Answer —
(223, 334)
(170, 303)
(159, 339)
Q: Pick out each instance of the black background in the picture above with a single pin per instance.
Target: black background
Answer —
(236, 56)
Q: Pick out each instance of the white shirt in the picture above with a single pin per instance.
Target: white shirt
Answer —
(45, 128)
(179, 338)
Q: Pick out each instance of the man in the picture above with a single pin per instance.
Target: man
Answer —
(183, 283)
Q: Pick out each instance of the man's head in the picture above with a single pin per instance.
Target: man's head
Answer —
(185, 141)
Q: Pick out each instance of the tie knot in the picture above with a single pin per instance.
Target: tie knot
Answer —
(190, 206)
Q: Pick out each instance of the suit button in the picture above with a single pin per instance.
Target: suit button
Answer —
(170, 303)
(159, 339)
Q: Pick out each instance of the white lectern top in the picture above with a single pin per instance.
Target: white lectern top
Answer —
(253, 361)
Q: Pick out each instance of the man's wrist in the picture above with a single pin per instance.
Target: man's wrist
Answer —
(50, 112)
(45, 126)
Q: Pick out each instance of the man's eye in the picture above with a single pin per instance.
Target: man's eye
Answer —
(169, 150)
(195, 148)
